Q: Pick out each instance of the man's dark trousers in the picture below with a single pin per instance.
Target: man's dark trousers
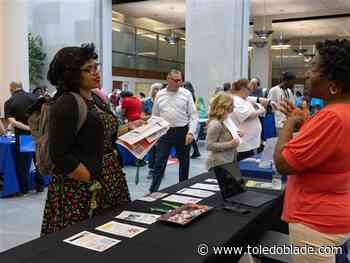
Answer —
(174, 137)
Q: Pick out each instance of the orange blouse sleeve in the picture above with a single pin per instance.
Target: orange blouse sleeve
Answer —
(317, 141)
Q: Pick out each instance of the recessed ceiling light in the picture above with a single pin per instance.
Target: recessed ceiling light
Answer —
(279, 47)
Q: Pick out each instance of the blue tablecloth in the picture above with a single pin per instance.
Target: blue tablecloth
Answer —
(8, 166)
(27, 144)
(128, 158)
(252, 169)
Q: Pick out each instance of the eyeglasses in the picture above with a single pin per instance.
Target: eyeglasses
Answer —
(92, 69)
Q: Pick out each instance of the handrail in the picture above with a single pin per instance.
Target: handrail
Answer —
(152, 58)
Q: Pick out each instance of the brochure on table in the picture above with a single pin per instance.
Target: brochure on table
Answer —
(152, 197)
(210, 187)
(120, 229)
(196, 192)
(182, 199)
(264, 185)
(138, 217)
(210, 180)
(92, 241)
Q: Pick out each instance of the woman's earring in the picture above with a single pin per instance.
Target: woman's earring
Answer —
(333, 90)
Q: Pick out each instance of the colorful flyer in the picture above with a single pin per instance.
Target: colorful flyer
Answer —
(138, 217)
(120, 229)
(92, 241)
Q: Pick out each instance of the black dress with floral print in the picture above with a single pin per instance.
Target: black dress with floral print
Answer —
(69, 201)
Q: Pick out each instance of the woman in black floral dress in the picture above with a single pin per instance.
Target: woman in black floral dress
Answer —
(88, 177)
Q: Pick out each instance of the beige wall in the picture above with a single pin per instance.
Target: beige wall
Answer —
(13, 46)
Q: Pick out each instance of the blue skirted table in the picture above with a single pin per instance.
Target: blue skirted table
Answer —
(8, 166)
(250, 168)
(10, 183)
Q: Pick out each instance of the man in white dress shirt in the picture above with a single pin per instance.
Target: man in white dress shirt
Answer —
(175, 105)
(281, 92)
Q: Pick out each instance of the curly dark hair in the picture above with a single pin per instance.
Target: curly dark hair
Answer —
(335, 61)
(126, 93)
(64, 71)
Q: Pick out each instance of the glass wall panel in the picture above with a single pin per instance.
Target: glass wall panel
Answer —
(122, 60)
(123, 38)
(146, 43)
(146, 63)
(145, 50)
(289, 60)
(167, 51)
(166, 66)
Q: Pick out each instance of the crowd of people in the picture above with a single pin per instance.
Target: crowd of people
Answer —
(88, 179)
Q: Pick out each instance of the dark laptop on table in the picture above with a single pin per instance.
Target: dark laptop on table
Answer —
(233, 191)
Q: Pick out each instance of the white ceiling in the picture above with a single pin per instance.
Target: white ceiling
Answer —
(282, 7)
(335, 27)
(172, 12)
(165, 11)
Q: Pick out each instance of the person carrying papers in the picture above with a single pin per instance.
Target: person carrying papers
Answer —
(223, 136)
(140, 140)
(175, 104)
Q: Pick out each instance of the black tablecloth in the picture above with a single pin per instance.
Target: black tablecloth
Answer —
(161, 242)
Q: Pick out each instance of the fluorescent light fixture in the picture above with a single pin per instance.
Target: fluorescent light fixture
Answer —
(279, 47)
(287, 56)
(147, 53)
(115, 12)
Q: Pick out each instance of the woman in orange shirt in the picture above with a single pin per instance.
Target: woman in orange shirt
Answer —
(317, 160)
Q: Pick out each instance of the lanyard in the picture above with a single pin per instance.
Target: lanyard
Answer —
(286, 93)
